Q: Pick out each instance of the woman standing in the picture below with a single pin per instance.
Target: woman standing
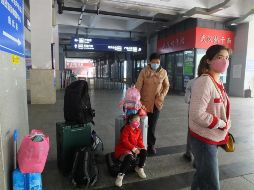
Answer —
(188, 156)
(209, 118)
(153, 85)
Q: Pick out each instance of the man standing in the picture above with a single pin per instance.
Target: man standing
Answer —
(153, 85)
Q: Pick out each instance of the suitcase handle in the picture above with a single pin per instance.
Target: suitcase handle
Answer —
(75, 125)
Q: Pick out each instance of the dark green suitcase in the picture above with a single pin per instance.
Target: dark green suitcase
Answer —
(69, 138)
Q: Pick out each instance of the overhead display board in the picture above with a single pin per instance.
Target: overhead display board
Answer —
(97, 44)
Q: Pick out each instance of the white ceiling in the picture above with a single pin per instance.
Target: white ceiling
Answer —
(112, 26)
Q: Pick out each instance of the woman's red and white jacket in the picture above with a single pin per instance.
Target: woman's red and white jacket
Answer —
(209, 113)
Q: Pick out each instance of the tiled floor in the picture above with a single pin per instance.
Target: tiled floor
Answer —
(167, 170)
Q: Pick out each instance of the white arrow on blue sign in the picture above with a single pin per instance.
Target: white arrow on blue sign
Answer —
(12, 27)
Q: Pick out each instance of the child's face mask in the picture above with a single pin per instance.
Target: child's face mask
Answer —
(135, 124)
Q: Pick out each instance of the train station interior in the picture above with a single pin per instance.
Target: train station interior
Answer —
(46, 45)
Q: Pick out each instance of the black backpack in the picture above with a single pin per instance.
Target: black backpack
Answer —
(77, 106)
(97, 144)
(84, 170)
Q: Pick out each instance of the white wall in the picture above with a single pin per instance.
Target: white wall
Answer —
(56, 46)
(242, 60)
(249, 71)
(13, 112)
(236, 85)
(42, 35)
(42, 77)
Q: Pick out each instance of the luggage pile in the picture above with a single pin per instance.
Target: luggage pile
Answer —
(31, 156)
(131, 105)
(77, 144)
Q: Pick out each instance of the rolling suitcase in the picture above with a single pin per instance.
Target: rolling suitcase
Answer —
(120, 122)
(69, 138)
(21, 181)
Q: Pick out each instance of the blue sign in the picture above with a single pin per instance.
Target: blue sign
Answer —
(12, 27)
(96, 44)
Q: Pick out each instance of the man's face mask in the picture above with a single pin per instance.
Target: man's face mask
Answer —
(155, 66)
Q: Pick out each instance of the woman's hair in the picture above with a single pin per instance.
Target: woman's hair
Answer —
(211, 52)
(131, 117)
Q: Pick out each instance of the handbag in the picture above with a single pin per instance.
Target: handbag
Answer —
(230, 145)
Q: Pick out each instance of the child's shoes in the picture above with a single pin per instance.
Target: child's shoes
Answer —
(140, 172)
(119, 180)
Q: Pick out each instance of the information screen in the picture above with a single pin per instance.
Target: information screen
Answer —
(97, 44)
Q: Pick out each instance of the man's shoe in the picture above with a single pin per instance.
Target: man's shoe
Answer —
(152, 150)
(187, 157)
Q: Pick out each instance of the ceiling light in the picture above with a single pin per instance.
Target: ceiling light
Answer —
(233, 24)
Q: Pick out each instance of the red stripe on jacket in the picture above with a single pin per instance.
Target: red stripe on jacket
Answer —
(208, 141)
(214, 122)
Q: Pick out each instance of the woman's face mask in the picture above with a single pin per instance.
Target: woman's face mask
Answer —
(220, 65)
(220, 62)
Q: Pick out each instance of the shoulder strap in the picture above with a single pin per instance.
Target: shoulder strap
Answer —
(221, 96)
(96, 141)
(94, 169)
(86, 165)
(74, 167)
(217, 88)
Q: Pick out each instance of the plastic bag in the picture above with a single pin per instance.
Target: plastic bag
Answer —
(33, 152)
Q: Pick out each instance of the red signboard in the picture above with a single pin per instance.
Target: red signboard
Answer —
(206, 37)
(201, 38)
(177, 42)
(80, 67)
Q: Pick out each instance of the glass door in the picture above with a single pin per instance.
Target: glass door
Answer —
(162, 61)
(138, 68)
(169, 62)
(178, 82)
(188, 66)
